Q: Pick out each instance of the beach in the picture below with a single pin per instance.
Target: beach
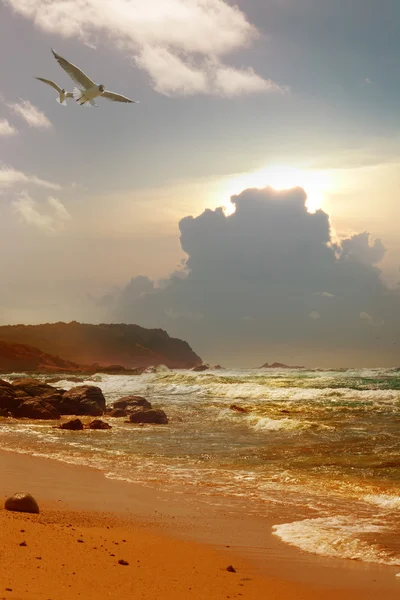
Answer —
(88, 523)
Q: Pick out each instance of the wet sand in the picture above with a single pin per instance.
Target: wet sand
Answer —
(176, 548)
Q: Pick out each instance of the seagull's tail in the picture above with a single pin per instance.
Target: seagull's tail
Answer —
(63, 103)
(79, 97)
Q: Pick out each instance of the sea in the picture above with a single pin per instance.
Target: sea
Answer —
(317, 452)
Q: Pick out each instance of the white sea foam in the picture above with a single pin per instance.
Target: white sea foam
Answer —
(335, 537)
(384, 501)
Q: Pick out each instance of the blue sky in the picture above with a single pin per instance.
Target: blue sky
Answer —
(226, 95)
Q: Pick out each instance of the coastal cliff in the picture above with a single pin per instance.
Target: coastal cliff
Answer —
(127, 345)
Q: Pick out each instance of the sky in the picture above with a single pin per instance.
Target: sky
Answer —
(248, 204)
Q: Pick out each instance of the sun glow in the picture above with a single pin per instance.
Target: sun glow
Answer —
(315, 183)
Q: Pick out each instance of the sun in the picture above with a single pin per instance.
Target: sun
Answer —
(315, 183)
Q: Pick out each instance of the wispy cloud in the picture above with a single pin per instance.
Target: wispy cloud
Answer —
(180, 43)
(10, 177)
(31, 114)
(6, 129)
(51, 218)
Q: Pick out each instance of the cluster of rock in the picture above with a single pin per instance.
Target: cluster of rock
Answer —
(138, 410)
(33, 399)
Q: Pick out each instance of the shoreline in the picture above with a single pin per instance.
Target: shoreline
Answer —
(188, 527)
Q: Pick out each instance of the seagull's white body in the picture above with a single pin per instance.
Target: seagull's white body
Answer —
(88, 90)
(62, 94)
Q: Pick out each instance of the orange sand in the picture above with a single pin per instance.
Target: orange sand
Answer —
(72, 552)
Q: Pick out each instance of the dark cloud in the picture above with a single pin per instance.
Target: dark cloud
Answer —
(269, 279)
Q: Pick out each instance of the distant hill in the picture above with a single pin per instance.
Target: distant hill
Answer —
(21, 357)
(127, 345)
(277, 365)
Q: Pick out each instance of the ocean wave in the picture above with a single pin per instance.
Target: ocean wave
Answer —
(337, 537)
(384, 501)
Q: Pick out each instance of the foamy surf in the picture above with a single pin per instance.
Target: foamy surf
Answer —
(336, 537)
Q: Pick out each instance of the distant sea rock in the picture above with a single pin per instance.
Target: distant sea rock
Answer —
(120, 345)
(277, 365)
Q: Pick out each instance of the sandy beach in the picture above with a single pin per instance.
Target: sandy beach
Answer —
(88, 524)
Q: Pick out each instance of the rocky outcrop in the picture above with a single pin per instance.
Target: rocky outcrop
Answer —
(155, 416)
(119, 345)
(117, 412)
(200, 368)
(83, 400)
(99, 424)
(32, 399)
(36, 409)
(132, 403)
(21, 502)
(73, 425)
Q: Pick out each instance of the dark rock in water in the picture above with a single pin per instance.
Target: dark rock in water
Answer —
(132, 402)
(123, 562)
(118, 412)
(155, 416)
(7, 396)
(35, 409)
(5, 384)
(21, 502)
(83, 400)
(231, 569)
(4, 412)
(277, 365)
(98, 424)
(200, 368)
(74, 425)
(32, 387)
(239, 408)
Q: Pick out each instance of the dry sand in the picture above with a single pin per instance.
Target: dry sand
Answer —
(73, 547)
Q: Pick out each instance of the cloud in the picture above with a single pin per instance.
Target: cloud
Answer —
(6, 129)
(179, 43)
(32, 115)
(49, 221)
(270, 259)
(10, 177)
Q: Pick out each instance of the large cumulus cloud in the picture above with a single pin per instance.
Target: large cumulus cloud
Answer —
(269, 281)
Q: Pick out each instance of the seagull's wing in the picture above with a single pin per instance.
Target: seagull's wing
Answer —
(49, 82)
(117, 97)
(74, 72)
(69, 95)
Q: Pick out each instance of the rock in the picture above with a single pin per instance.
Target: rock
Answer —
(4, 412)
(200, 368)
(231, 569)
(155, 416)
(32, 387)
(74, 424)
(118, 412)
(35, 409)
(123, 562)
(7, 396)
(98, 424)
(21, 502)
(83, 400)
(239, 408)
(132, 402)
(5, 384)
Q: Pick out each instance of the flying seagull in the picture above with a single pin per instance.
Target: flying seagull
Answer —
(62, 94)
(88, 90)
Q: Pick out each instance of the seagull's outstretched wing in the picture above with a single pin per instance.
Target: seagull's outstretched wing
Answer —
(117, 97)
(69, 95)
(49, 82)
(74, 72)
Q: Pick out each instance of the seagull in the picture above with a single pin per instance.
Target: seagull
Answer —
(88, 90)
(62, 93)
